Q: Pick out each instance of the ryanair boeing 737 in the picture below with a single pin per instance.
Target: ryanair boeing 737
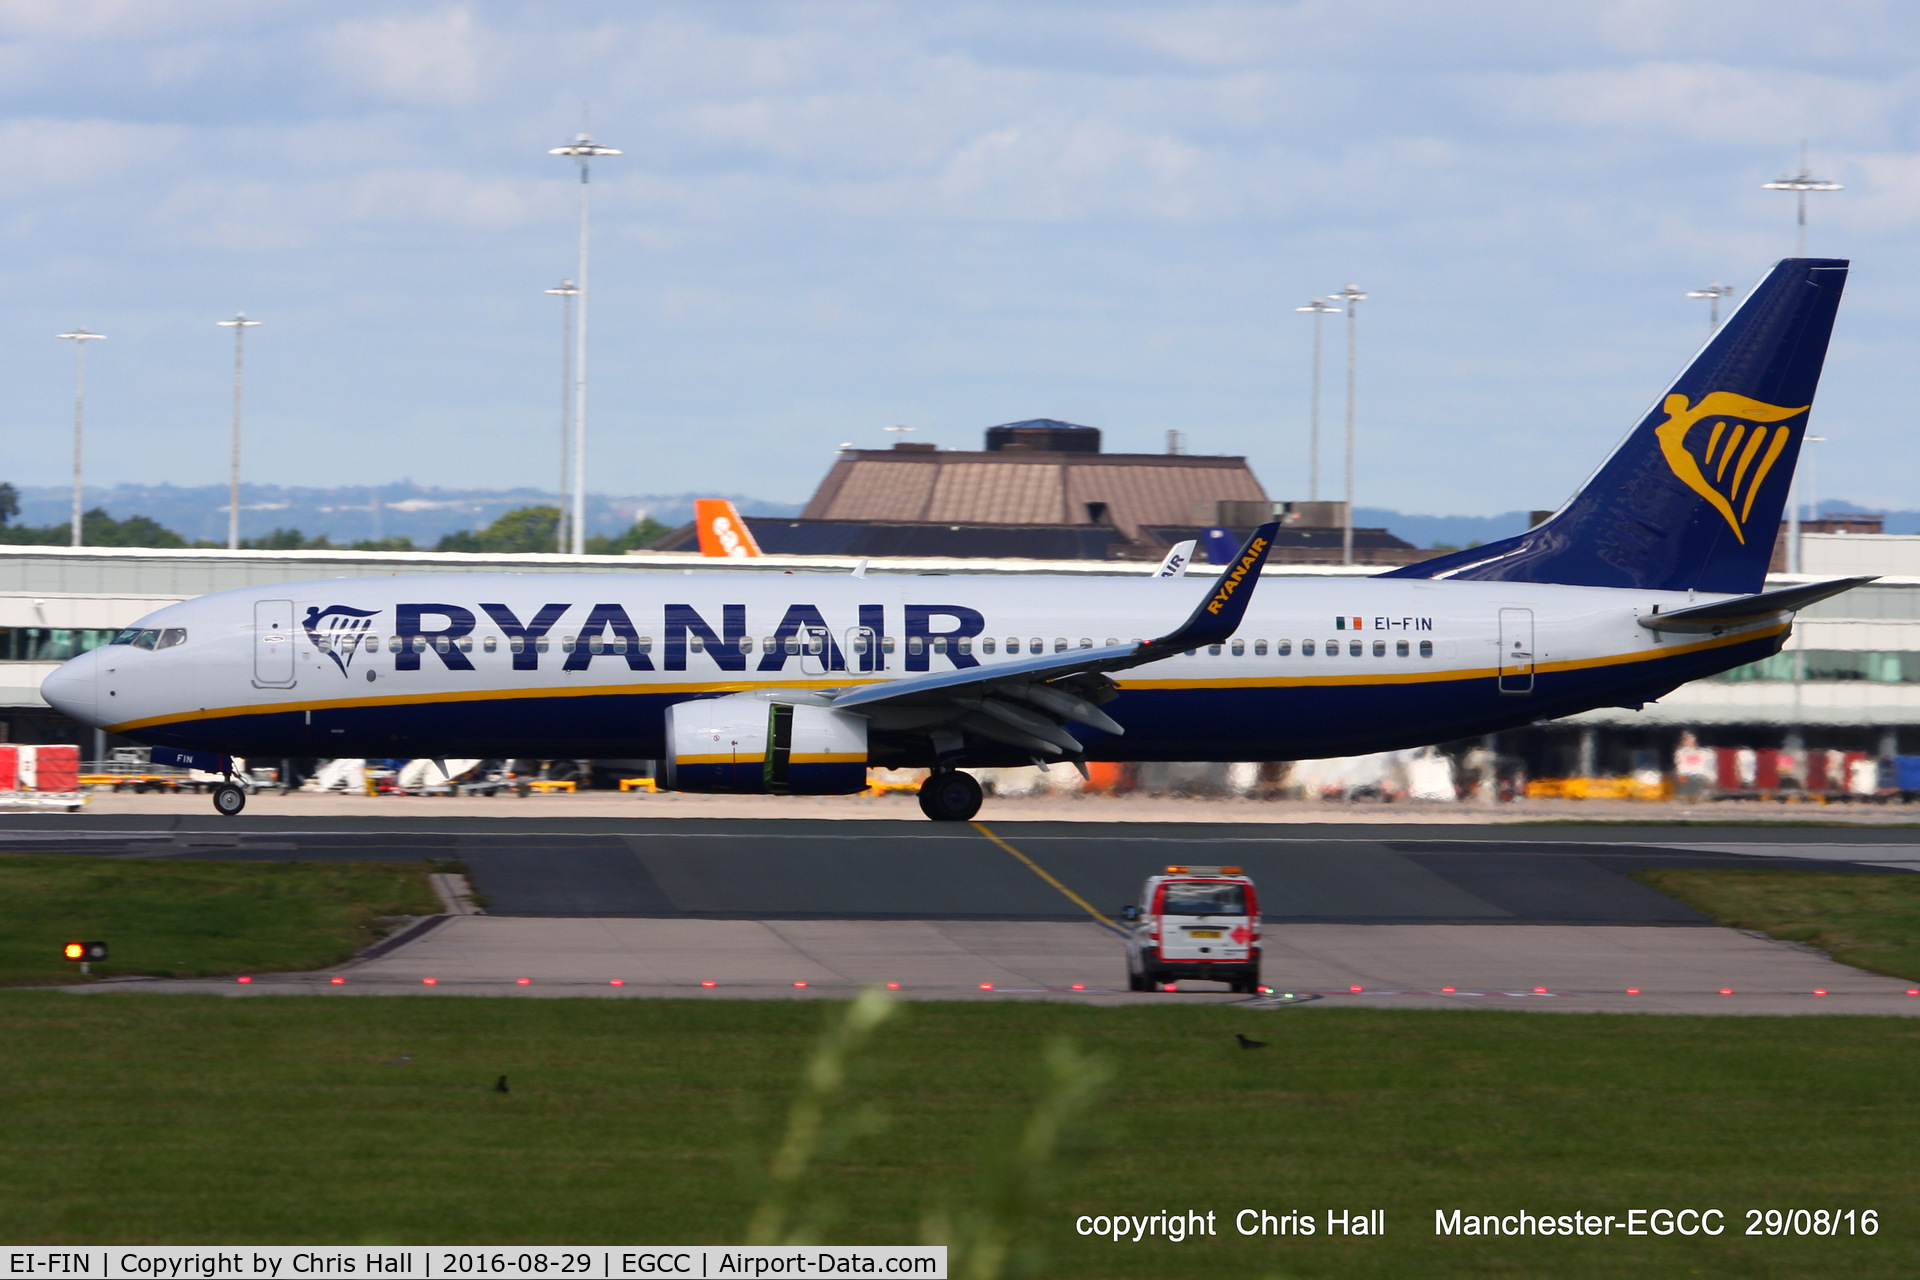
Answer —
(1650, 576)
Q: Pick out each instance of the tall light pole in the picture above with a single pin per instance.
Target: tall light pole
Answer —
(1794, 502)
(1800, 183)
(239, 324)
(1352, 296)
(568, 292)
(1713, 293)
(1319, 310)
(80, 338)
(582, 149)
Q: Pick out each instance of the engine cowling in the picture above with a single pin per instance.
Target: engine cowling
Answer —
(749, 746)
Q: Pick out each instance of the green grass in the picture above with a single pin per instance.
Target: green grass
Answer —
(1865, 920)
(196, 1119)
(187, 918)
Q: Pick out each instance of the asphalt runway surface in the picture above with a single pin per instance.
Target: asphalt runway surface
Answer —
(1066, 872)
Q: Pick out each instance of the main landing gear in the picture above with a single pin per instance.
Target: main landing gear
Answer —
(228, 799)
(950, 796)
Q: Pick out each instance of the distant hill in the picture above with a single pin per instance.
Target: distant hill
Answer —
(425, 514)
(352, 514)
(1452, 531)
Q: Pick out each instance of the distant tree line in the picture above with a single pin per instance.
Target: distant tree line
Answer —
(522, 529)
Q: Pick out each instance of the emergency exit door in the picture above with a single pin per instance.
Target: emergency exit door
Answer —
(1516, 651)
(273, 644)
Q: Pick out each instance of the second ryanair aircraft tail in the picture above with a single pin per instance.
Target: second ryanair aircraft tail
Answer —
(1692, 499)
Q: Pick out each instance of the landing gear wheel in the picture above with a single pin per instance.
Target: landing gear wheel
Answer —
(950, 797)
(228, 799)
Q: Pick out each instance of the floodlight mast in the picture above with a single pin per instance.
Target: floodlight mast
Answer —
(583, 149)
(1352, 296)
(1713, 293)
(1319, 310)
(568, 293)
(80, 338)
(1800, 183)
(239, 324)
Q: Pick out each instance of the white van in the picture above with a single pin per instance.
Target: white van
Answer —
(1195, 922)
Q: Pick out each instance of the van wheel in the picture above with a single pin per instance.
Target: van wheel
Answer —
(950, 796)
(1137, 981)
(228, 800)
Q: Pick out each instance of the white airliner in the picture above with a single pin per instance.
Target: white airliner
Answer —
(1649, 577)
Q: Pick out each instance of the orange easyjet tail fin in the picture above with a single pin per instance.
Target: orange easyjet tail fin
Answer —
(722, 531)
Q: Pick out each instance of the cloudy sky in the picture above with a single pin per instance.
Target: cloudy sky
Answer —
(835, 217)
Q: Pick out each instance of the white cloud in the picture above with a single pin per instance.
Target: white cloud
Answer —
(439, 59)
(1705, 102)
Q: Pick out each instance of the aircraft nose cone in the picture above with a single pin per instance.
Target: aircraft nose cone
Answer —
(71, 691)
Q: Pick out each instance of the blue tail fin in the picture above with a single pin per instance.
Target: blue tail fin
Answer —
(1692, 499)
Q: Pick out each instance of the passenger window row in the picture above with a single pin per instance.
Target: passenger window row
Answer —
(814, 644)
(1284, 648)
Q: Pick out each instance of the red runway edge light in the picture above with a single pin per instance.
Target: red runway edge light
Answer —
(337, 981)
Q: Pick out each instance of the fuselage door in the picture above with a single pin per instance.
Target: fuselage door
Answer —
(863, 649)
(816, 648)
(1516, 651)
(273, 644)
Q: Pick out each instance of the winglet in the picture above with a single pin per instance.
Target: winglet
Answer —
(1218, 616)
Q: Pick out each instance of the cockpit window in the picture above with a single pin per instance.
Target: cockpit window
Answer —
(151, 638)
(1215, 899)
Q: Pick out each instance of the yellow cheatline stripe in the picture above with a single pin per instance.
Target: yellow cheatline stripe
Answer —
(828, 757)
(1044, 874)
(743, 758)
(737, 686)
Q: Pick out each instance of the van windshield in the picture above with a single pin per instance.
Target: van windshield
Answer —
(1215, 899)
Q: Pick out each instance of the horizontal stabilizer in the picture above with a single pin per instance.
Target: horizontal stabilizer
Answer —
(1723, 614)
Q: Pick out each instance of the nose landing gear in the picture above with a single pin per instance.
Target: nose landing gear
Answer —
(229, 799)
(950, 796)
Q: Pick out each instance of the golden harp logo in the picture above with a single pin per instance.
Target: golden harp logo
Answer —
(1740, 449)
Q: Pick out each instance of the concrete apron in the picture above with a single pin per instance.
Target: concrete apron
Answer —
(1538, 968)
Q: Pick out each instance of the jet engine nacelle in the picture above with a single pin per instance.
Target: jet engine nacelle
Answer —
(751, 746)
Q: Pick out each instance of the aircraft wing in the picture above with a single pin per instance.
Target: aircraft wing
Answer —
(1028, 702)
(1723, 614)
